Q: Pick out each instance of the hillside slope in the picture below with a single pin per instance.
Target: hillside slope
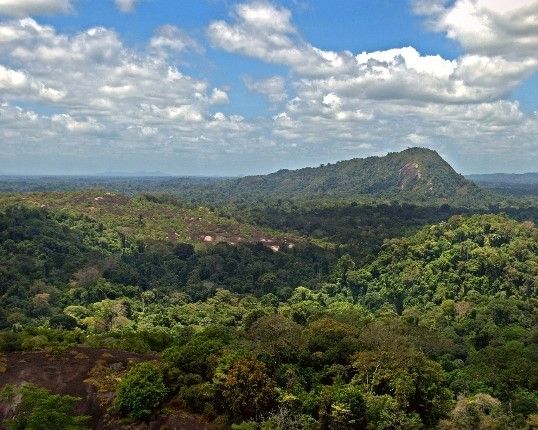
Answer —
(416, 173)
(149, 218)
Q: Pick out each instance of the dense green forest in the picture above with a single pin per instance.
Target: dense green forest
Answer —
(151, 311)
(417, 174)
(438, 330)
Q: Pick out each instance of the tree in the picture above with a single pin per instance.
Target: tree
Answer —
(277, 337)
(141, 390)
(63, 321)
(479, 412)
(248, 390)
(342, 408)
(390, 366)
(331, 341)
(344, 265)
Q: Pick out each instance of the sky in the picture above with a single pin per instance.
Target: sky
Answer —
(220, 88)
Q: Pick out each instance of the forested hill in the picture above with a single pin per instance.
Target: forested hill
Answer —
(415, 173)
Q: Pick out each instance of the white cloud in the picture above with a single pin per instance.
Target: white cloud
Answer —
(184, 112)
(349, 99)
(274, 88)
(12, 79)
(51, 94)
(433, 65)
(261, 15)
(22, 8)
(126, 5)
(105, 90)
(170, 37)
(110, 98)
(19, 84)
(78, 126)
(332, 101)
(264, 31)
(218, 96)
(493, 27)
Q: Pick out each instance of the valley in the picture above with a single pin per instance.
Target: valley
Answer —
(375, 294)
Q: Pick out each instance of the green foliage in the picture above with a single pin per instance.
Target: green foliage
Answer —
(141, 390)
(433, 330)
(486, 255)
(38, 409)
(342, 408)
(248, 390)
(479, 412)
(388, 365)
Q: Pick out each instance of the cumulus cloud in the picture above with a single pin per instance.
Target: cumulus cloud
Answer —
(170, 37)
(14, 82)
(124, 100)
(104, 90)
(72, 124)
(385, 96)
(274, 88)
(126, 6)
(21, 8)
(264, 31)
(493, 27)
(218, 96)
(12, 79)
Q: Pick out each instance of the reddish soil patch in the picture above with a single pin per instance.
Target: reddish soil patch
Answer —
(66, 373)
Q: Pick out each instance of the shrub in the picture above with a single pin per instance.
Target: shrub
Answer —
(38, 409)
(10, 341)
(62, 321)
(141, 390)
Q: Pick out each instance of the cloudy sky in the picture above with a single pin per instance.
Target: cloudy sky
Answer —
(215, 87)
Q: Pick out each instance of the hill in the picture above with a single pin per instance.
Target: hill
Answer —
(148, 217)
(415, 173)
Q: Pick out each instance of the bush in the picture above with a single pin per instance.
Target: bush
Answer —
(141, 390)
(62, 321)
(38, 409)
(10, 341)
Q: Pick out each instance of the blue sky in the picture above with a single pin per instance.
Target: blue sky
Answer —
(209, 87)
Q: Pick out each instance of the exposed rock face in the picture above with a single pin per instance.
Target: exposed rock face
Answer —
(411, 176)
